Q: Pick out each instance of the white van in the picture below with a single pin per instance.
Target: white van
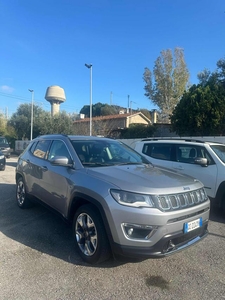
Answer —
(202, 160)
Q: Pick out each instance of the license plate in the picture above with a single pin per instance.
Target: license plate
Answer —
(192, 225)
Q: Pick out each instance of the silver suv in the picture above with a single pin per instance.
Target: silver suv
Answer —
(200, 159)
(116, 200)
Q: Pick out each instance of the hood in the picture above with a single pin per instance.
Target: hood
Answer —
(145, 179)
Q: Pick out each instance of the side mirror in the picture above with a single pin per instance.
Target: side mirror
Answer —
(60, 161)
(201, 161)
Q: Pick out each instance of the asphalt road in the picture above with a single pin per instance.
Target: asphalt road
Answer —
(38, 261)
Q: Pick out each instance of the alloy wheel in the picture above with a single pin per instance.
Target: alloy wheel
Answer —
(86, 234)
(20, 192)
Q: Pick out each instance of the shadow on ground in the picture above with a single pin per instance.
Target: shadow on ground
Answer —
(11, 163)
(44, 231)
(217, 215)
(41, 230)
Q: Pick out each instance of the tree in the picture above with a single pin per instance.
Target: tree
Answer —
(107, 110)
(211, 78)
(99, 109)
(60, 123)
(221, 69)
(96, 109)
(204, 76)
(200, 111)
(203, 105)
(43, 122)
(3, 123)
(86, 111)
(171, 78)
(21, 120)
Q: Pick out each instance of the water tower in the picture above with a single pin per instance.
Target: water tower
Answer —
(55, 95)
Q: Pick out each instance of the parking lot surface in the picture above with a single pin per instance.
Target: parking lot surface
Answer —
(38, 260)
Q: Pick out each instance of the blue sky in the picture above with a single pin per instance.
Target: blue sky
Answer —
(46, 43)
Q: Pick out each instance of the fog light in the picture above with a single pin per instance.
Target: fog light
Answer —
(130, 231)
(136, 231)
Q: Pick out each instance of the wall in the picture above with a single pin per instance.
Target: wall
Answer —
(20, 146)
(137, 119)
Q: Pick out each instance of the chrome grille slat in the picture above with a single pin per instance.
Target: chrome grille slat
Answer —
(163, 202)
(173, 201)
(181, 200)
(192, 198)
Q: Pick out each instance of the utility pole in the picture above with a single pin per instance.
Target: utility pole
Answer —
(128, 106)
(89, 66)
(131, 106)
(6, 113)
(32, 113)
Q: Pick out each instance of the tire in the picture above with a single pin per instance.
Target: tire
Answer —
(90, 237)
(21, 196)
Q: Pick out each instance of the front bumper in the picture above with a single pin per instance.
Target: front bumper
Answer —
(166, 246)
(157, 233)
(6, 152)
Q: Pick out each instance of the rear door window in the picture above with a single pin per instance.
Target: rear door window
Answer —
(158, 150)
(41, 149)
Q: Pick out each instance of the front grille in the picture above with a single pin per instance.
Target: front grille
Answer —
(180, 201)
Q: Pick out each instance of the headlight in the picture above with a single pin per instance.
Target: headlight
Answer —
(1, 156)
(132, 199)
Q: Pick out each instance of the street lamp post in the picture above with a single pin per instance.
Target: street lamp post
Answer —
(89, 66)
(32, 114)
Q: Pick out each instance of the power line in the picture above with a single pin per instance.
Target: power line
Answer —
(75, 108)
(14, 96)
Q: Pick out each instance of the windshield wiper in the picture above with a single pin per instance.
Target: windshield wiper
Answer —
(93, 164)
(128, 163)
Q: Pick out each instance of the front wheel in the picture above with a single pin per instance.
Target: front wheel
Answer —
(90, 237)
(21, 196)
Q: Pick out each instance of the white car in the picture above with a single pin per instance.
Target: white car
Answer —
(202, 160)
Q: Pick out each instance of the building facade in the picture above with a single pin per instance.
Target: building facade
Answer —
(105, 125)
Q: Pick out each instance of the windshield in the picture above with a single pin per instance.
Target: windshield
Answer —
(220, 151)
(3, 140)
(105, 153)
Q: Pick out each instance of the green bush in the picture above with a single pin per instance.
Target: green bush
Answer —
(137, 131)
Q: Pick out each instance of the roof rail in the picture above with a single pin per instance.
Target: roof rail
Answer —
(173, 139)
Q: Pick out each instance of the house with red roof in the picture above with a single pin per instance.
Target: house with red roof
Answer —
(106, 125)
